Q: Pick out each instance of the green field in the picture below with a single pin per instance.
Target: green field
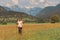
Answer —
(46, 31)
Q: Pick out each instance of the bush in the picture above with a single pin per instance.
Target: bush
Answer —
(54, 18)
(4, 23)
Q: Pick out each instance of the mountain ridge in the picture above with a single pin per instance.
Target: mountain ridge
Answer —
(47, 12)
(31, 11)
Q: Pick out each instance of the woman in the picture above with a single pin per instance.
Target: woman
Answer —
(19, 23)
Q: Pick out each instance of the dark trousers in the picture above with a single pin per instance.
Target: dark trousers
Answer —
(20, 30)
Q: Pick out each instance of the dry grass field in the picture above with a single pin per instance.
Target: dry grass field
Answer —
(43, 31)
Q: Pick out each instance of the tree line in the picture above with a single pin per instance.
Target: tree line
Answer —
(52, 19)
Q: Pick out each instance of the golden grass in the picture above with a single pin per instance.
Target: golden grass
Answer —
(10, 32)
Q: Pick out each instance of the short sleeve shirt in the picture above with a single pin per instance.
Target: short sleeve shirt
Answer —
(19, 23)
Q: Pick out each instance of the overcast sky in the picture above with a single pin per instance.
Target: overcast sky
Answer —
(29, 3)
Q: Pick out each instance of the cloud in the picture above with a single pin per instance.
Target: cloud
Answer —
(29, 3)
(15, 1)
(7, 4)
(42, 0)
(27, 7)
(32, 1)
(50, 3)
(46, 5)
(53, 3)
(36, 3)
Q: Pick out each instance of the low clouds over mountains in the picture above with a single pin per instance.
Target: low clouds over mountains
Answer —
(29, 3)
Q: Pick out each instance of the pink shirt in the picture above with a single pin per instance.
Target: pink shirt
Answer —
(19, 23)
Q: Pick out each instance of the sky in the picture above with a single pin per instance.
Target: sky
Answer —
(29, 3)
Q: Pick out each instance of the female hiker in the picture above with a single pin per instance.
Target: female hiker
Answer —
(19, 23)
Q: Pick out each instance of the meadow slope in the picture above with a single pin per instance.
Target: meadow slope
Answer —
(43, 31)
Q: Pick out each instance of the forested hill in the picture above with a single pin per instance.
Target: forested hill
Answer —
(5, 13)
(48, 12)
(13, 15)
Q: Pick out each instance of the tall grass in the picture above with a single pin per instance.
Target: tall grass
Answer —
(30, 33)
(51, 34)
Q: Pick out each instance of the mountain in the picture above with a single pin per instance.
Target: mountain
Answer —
(16, 8)
(6, 8)
(31, 11)
(47, 12)
(34, 11)
(13, 15)
(4, 12)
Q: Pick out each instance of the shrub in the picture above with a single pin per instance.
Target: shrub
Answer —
(54, 18)
(4, 23)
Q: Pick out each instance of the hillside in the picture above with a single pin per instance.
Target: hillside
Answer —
(47, 12)
(34, 11)
(30, 11)
(5, 12)
(13, 15)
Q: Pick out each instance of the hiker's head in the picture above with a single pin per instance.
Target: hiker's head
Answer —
(20, 19)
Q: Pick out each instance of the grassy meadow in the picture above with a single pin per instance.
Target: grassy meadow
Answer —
(43, 31)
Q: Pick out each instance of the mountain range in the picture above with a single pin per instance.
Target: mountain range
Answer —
(38, 12)
(7, 12)
(49, 11)
(30, 11)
